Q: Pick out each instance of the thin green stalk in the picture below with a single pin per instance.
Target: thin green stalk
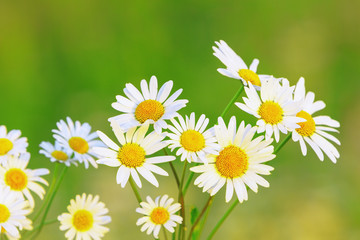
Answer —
(235, 203)
(62, 174)
(164, 231)
(175, 175)
(187, 184)
(48, 194)
(233, 100)
(278, 147)
(204, 220)
(208, 203)
(181, 234)
(47, 223)
(136, 192)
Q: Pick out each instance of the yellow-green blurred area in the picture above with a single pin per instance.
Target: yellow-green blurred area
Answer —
(71, 58)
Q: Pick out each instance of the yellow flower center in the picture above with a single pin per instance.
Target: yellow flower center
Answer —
(250, 76)
(159, 215)
(271, 112)
(232, 162)
(79, 145)
(59, 155)
(83, 220)
(5, 146)
(16, 179)
(4, 214)
(131, 155)
(149, 109)
(192, 140)
(306, 128)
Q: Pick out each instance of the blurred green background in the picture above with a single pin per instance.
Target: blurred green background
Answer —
(71, 58)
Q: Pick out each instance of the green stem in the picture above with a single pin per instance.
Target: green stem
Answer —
(236, 202)
(175, 174)
(208, 203)
(232, 100)
(187, 184)
(204, 220)
(136, 192)
(47, 223)
(62, 174)
(182, 226)
(278, 147)
(48, 194)
(164, 231)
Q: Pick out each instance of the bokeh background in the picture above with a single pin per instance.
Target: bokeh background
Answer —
(71, 58)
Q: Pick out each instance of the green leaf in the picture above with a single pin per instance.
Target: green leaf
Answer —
(194, 213)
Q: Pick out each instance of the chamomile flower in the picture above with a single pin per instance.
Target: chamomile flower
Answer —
(11, 143)
(15, 175)
(85, 219)
(236, 67)
(274, 108)
(149, 105)
(192, 138)
(315, 130)
(13, 212)
(131, 155)
(57, 153)
(77, 138)
(239, 162)
(160, 212)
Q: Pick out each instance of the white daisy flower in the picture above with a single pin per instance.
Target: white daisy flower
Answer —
(274, 108)
(11, 143)
(78, 139)
(315, 130)
(160, 212)
(15, 175)
(13, 212)
(193, 141)
(149, 105)
(236, 67)
(85, 219)
(57, 153)
(239, 162)
(131, 155)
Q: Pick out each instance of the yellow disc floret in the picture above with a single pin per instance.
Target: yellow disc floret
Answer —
(83, 220)
(16, 179)
(5, 146)
(250, 76)
(306, 128)
(131, 155)
(4, 214)
(271, 112)
(232, 162)
(192, 140)
(59, 155)
(159, 215)
(149, 109)
(79, 145)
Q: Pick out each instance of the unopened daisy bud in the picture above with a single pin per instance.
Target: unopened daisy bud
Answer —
(11, 143)
(148, 106)
(20, 180)
(131, 156)
(86, 218)
(315, 130)
(236, 67)
(192, 138)
(160, 212)
(76, 138)
(238, 163)
(275, 108)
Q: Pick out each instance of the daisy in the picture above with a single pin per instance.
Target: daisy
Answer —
(78, 139)
(160, 212)
(239, 162)
(26, 225)
(57, 153)
(193, 141)
(274, 108)
(85, 219)
(315, 130)
(13, 212)
(15, 175)
(131, 155)
(149, 105)
(236, 67)
(11, 143)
